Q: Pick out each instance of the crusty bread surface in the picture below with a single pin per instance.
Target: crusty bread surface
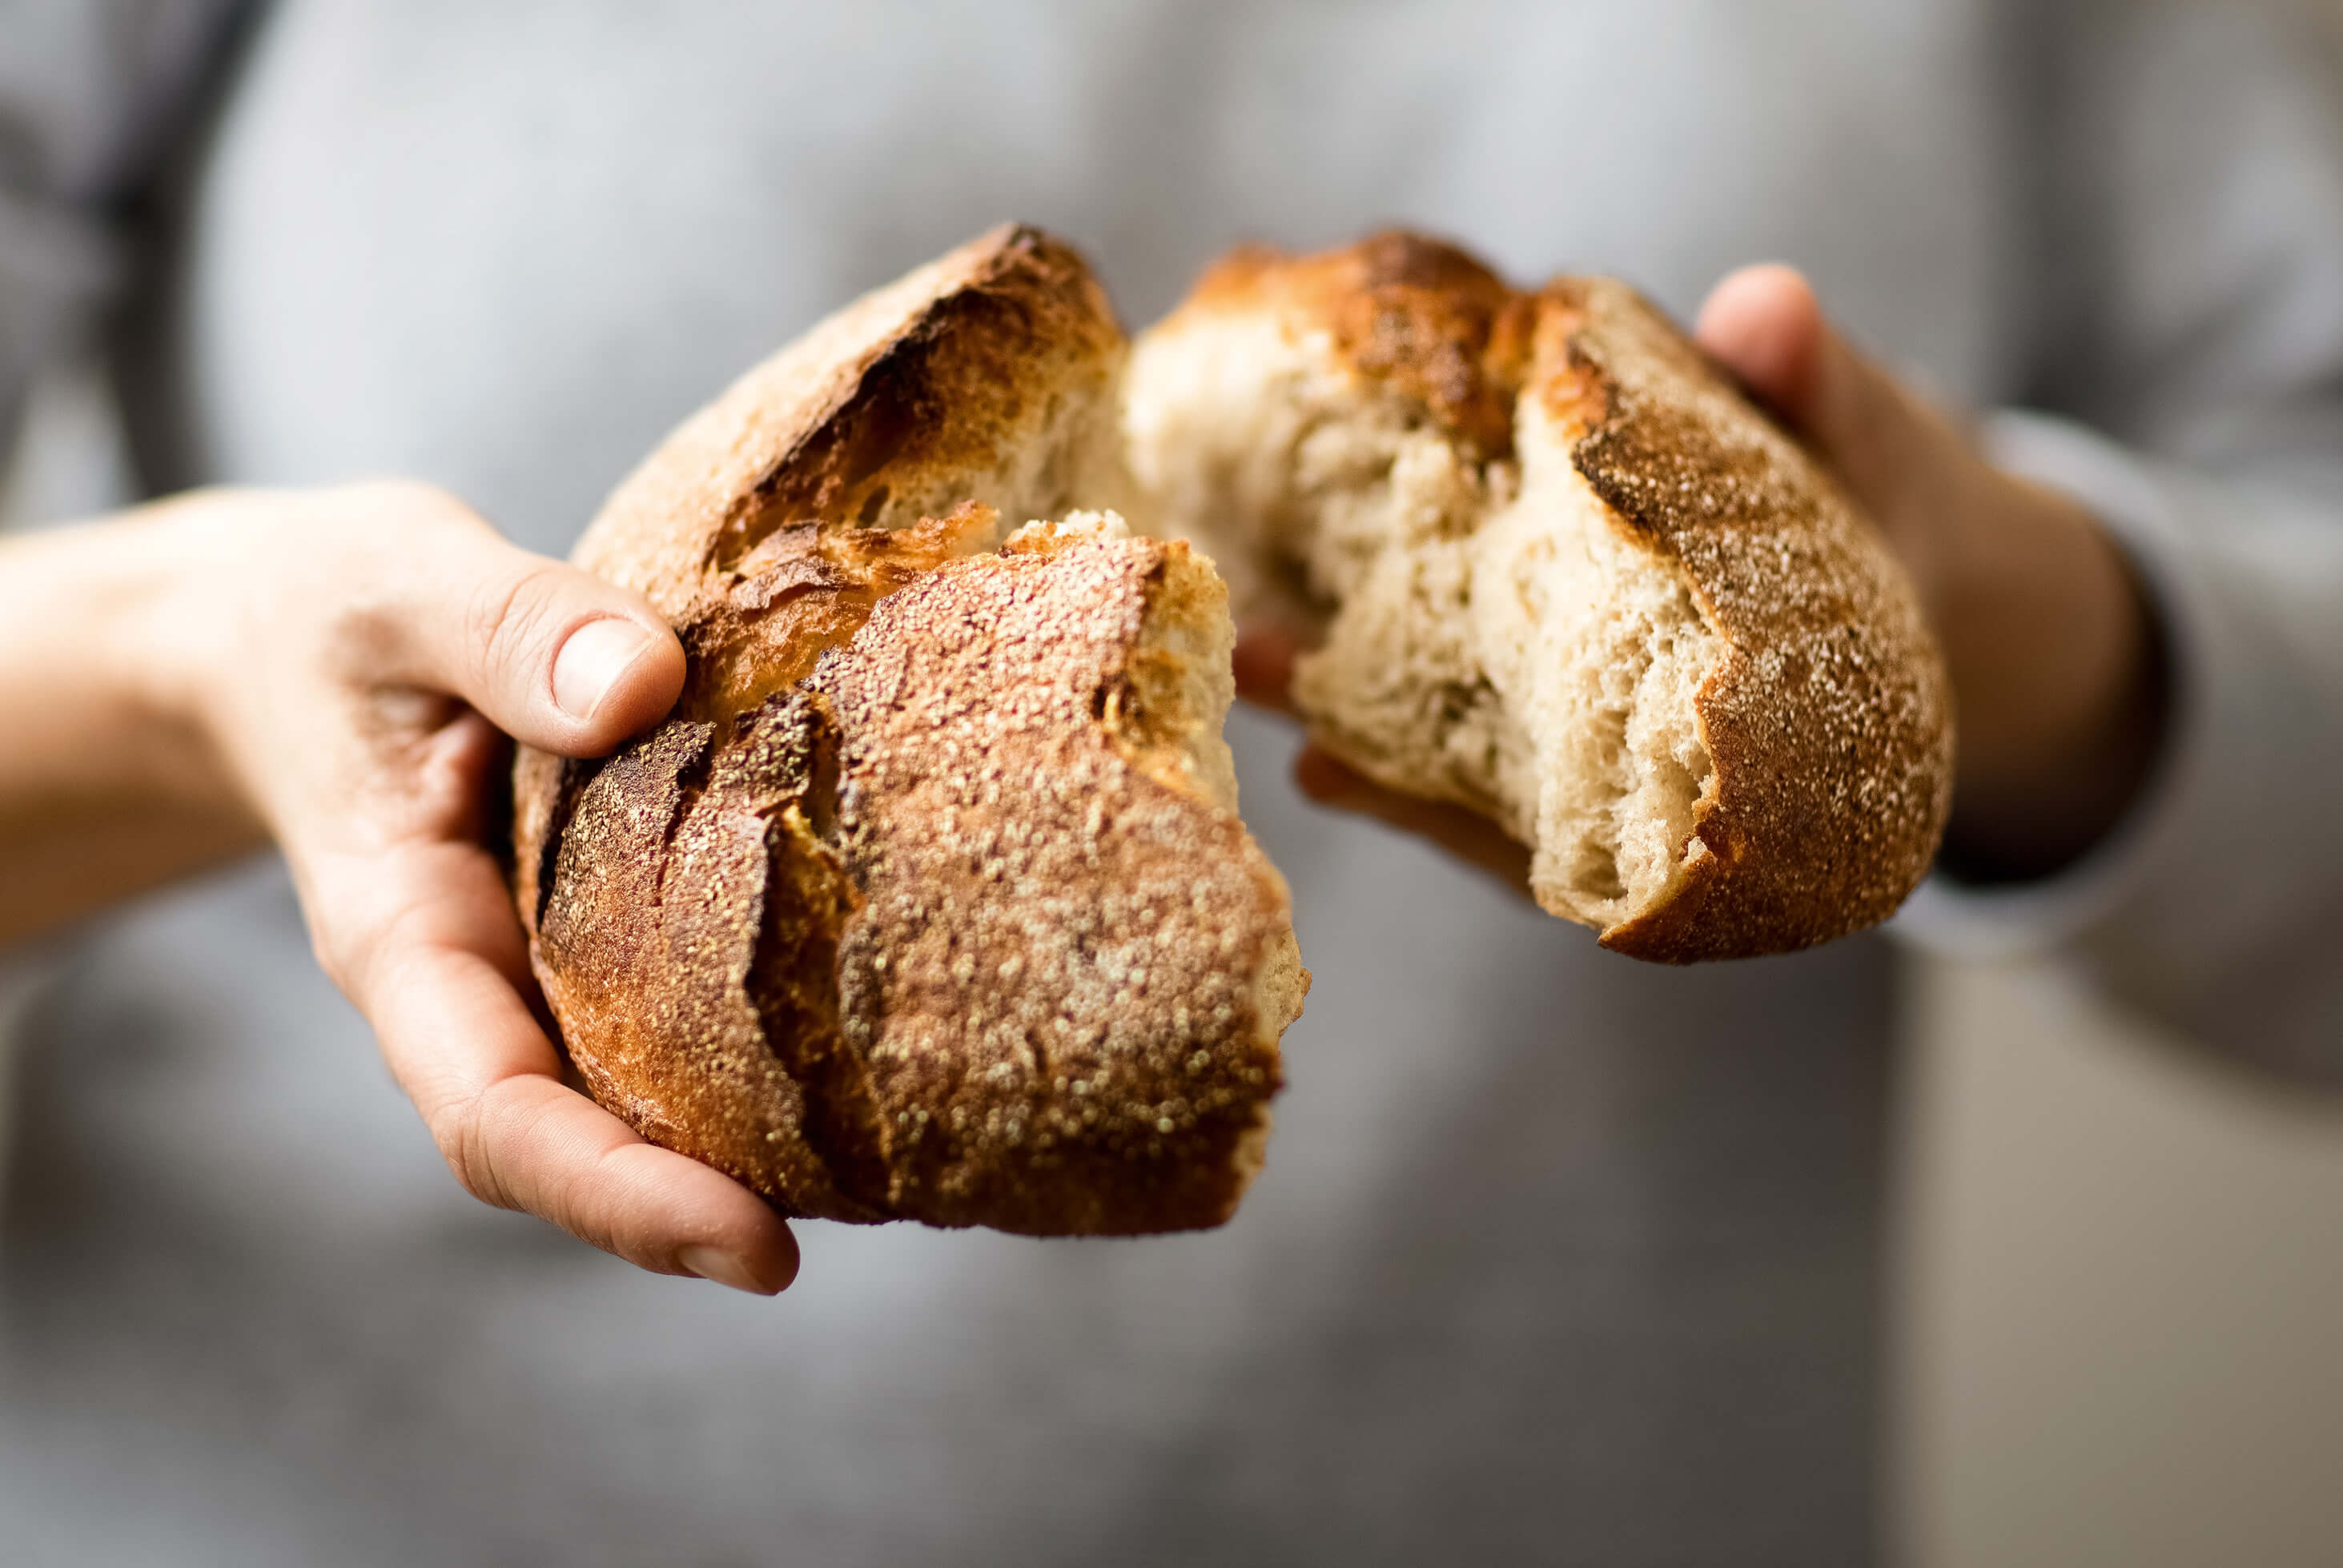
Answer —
(931, 900)
(1561, 572)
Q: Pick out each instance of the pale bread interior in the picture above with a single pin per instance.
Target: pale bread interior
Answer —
(1491, 635)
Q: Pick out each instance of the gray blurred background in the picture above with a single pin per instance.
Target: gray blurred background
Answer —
(2121, 1273)
(2122, 1277)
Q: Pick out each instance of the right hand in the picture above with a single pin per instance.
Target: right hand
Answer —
(339, 667)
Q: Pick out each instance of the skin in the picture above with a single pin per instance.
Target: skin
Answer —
(331, 670)
(337, 670)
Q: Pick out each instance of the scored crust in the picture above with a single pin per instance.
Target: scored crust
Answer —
(929, 901)
(1565, 574)
(983, 376)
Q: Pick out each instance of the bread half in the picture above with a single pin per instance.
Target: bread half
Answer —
(1565, 574)
(930, 901)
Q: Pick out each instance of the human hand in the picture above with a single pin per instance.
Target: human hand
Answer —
(349, 656)
(2051, 648)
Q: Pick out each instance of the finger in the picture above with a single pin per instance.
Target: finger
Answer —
(435, 979)
(1765, 324)
(554, 656)
(1264, 667)
(1467, 835)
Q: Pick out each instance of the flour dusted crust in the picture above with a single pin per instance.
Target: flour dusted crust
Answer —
(1829, 717)
(1563, 574)
(929, 901)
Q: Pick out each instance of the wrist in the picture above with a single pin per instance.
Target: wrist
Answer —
(109, 663)
(2056, 667)
(109, 782)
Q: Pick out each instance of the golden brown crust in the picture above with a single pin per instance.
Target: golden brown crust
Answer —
(1417, 314)
(1048, 969)
(650, 936)
(891, 919)
(914, 399)
(917, 906)
(1828, 720)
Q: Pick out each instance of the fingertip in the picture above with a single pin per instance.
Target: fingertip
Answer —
(646, 691)
(1757, 294)
(614, 677)
(1263, 664)
(772, 1253)
(789, 1260)
(725, 1232)
(1765, 324)
(1328, 781)
(1322, 777)
(762, 1265)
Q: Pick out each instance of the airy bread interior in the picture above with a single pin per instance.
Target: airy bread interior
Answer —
(1488, 633)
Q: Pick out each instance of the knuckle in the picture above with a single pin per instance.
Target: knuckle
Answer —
(362, 638)
(513, 620)
(460, 1128)
(343, 933)
(485, 1138)
(369, 499)
(357, 930)
(362, 542)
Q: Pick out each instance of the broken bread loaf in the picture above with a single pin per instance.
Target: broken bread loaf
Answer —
(929, 901)
(1562, 573)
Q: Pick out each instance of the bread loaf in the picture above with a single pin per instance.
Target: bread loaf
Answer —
(1565, 575)
(931, 901)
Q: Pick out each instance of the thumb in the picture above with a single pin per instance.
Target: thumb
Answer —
(553, 656)
(1765, 324)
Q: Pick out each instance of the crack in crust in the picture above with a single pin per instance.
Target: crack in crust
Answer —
(930, 901)
(1049, 973)
(984, 375)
